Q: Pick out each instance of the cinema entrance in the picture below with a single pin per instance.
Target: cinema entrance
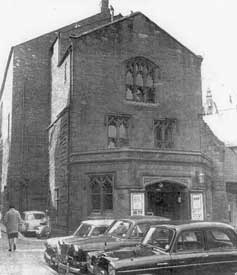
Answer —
(167, 199)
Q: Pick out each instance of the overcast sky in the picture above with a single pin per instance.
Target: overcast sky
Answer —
(207, 27)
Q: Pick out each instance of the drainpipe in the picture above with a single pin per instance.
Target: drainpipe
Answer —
(69, 145)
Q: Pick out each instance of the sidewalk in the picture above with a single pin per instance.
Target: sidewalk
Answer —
(4, 231)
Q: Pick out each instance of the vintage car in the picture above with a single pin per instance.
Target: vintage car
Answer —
(33, 221)
(123, 232)
(87, 228)
(191, 248)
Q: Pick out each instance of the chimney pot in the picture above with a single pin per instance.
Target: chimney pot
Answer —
(104, 6)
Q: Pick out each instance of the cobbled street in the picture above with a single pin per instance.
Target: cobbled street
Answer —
(26, 260)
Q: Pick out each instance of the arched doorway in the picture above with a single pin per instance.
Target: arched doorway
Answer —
(168, 199)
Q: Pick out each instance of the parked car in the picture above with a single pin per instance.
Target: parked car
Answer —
(87, 228)
(34, 222)
(123, 232)
(194, 248)
(43, 231)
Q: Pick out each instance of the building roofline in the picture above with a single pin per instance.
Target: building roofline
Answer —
(48, 33)
(6, 71)
(62, 28)
(130, 16)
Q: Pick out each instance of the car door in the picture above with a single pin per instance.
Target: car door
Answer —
(189, 254)
(222, 251)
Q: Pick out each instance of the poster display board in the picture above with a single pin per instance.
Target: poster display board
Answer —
(137, 204)
(197, 208)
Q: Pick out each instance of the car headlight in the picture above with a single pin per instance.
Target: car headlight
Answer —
(111, 270)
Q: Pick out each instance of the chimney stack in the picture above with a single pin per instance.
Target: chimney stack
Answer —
(104, 6)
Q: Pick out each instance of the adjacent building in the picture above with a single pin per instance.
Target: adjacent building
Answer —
(108, 120)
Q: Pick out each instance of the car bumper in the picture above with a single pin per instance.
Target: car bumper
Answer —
(71, 270)
(51, 261)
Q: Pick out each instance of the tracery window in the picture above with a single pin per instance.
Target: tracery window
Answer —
(163, 131)
(117, 130)
(140, 80)
(102, 192)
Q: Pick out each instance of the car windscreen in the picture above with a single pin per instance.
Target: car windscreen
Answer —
(120, 228)
(159, 237)
(83, 230)
(98, 230)
(39, 216)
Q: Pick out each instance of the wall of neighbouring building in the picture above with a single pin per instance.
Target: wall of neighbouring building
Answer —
(5, 129)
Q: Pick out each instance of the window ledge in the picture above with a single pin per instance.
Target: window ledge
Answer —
(135, 103)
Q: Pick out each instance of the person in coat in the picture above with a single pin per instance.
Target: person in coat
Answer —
(12, 220)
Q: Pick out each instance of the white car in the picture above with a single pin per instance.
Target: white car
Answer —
(33, 221)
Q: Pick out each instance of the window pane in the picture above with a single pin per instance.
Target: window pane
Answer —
(98, 230)
(140, 230)
(96, 202)
(108, 202)
(149, 81)
(129, 78)
(138, 96)
(168, 134)
(107, 188)
(158, 133)
(129, 94)
(123, 131)
(112, 131)
(219, 240)
(150, 96)
(139, 80)
(95, 187)
(190, 241)
(83, 230)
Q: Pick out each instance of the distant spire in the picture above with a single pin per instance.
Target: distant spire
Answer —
(210, 104)
(104, 6)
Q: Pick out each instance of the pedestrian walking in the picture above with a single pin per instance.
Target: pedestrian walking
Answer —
(12, 220)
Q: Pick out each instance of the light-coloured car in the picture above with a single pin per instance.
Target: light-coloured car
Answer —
(87, 229)
(33, 221)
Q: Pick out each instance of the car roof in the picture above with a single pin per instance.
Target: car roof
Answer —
(99, 222)
(187, 225)
(34, 212)
(145, 219)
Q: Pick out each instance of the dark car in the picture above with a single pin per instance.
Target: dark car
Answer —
(123, 232)
(87, 228)
(194, 248)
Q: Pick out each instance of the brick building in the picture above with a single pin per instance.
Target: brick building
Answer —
(107, 121)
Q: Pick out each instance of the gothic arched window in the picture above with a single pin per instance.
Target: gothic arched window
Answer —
(140, 80)
(163, 132)
(117, 130)
(101, 187)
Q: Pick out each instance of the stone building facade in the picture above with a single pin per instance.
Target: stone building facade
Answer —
(25, 116)
(108, 121)
(129, 137)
